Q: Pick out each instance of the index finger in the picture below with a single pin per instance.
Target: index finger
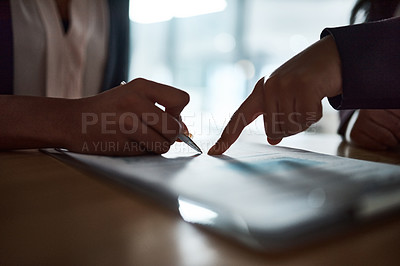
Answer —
(250, 109)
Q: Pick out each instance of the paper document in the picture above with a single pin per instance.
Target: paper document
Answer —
(255, 193)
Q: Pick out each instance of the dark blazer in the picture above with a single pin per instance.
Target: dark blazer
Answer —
(118, 46)
(370, 57)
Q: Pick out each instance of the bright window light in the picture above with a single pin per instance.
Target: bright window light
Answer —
(191, 8)
(152, 11)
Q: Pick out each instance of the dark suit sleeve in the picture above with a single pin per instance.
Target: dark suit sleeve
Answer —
(370, 56)
(6, 49)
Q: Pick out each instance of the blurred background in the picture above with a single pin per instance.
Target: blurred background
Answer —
(217, 50)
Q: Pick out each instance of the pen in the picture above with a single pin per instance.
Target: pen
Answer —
(189, 142)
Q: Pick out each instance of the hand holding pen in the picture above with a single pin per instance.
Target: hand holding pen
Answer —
(184, 134)
(125, 120)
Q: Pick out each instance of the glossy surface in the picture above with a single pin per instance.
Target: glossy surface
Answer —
(55, 214)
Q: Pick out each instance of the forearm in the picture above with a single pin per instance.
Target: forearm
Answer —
(35, 122)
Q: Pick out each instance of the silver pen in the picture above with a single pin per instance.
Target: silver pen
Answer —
(189, 142)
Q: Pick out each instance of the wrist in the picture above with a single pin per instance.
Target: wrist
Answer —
(333, 67)
(54, 122)
(68, 123)
(30, 122)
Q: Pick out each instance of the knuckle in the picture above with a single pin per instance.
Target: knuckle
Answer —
(139, 81)
(185, 97)
(271, 84)
(259, 87)
(283, 82)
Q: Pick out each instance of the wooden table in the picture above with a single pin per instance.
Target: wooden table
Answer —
(53, 214)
